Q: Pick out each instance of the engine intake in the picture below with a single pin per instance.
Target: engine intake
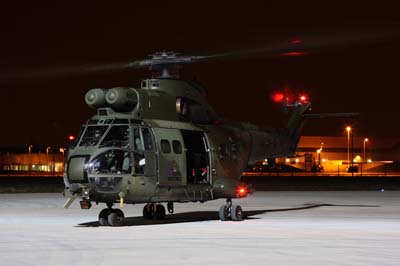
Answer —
(121, 99)
(95, 98)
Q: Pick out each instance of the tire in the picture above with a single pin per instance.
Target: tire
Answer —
(159, 213)
(148, 211)
(103, 222)
(103, 217)
(223, 214)
(236, 213)
(116, 218)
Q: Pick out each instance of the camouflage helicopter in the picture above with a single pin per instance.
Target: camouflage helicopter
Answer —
(163, 143)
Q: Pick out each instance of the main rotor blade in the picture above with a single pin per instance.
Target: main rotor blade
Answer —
(343, 39)
(65, 71)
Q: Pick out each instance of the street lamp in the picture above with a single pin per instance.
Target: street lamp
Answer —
(348, 129)
(319, 156)
(365, 142)
(47, 150)
(319, 152)
(62, 150)
(30, 159)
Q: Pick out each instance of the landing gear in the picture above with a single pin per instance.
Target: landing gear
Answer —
(170, 207)
(160, 212)
(111, 217)
(229, 211)
(116, 218)
(154, 211)
(103, 217)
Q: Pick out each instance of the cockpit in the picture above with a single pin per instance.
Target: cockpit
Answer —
(119, 149)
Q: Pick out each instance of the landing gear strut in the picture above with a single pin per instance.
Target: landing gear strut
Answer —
(170, 207)
(230, 211)
(154, 211)
(111, 217)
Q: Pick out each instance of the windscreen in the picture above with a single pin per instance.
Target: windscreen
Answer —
(111, 161)
(117, 136)
(92, 135)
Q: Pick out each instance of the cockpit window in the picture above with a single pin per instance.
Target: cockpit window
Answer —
(142, 139)
(92, 135)
(137, 139)
(112, 161)
(147, 139)
(117, 136)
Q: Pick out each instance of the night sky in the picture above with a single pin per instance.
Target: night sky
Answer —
(44, 110)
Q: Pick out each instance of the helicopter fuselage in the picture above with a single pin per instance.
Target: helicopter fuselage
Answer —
(164, 143)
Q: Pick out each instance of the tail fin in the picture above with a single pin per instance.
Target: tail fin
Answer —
(295, 125)
(296, 122)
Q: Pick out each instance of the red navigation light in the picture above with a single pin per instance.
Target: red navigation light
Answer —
(296, 41)
(242, 191)
(278, 97)
(303, 98)
(292, 54)
(71, 138)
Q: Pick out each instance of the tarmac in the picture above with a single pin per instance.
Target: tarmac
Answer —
(280, 228)
(259, 181)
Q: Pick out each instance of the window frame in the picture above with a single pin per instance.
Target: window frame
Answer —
(163, 150)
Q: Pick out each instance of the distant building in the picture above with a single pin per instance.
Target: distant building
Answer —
(31, 163)
(336, 148)
(336, 154)
(333, 153)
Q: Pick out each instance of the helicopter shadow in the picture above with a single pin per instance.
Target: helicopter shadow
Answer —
(201, 216)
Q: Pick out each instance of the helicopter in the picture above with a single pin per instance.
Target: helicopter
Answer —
(163, 143)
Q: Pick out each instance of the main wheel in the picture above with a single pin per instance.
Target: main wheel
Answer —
(223, 213)
(116, 218)
(236, 213)
(159, 214)
(148, 211)
(103, 217)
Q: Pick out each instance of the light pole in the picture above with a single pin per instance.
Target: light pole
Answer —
(365, 142)
(62, 150)
(348, 129)
(319, 152)
(30, 159)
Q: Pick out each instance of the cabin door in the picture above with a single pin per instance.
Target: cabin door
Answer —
(197, 157)
(171, 157)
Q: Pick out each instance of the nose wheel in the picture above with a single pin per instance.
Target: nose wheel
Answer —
(230, 212)
(111, 217)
